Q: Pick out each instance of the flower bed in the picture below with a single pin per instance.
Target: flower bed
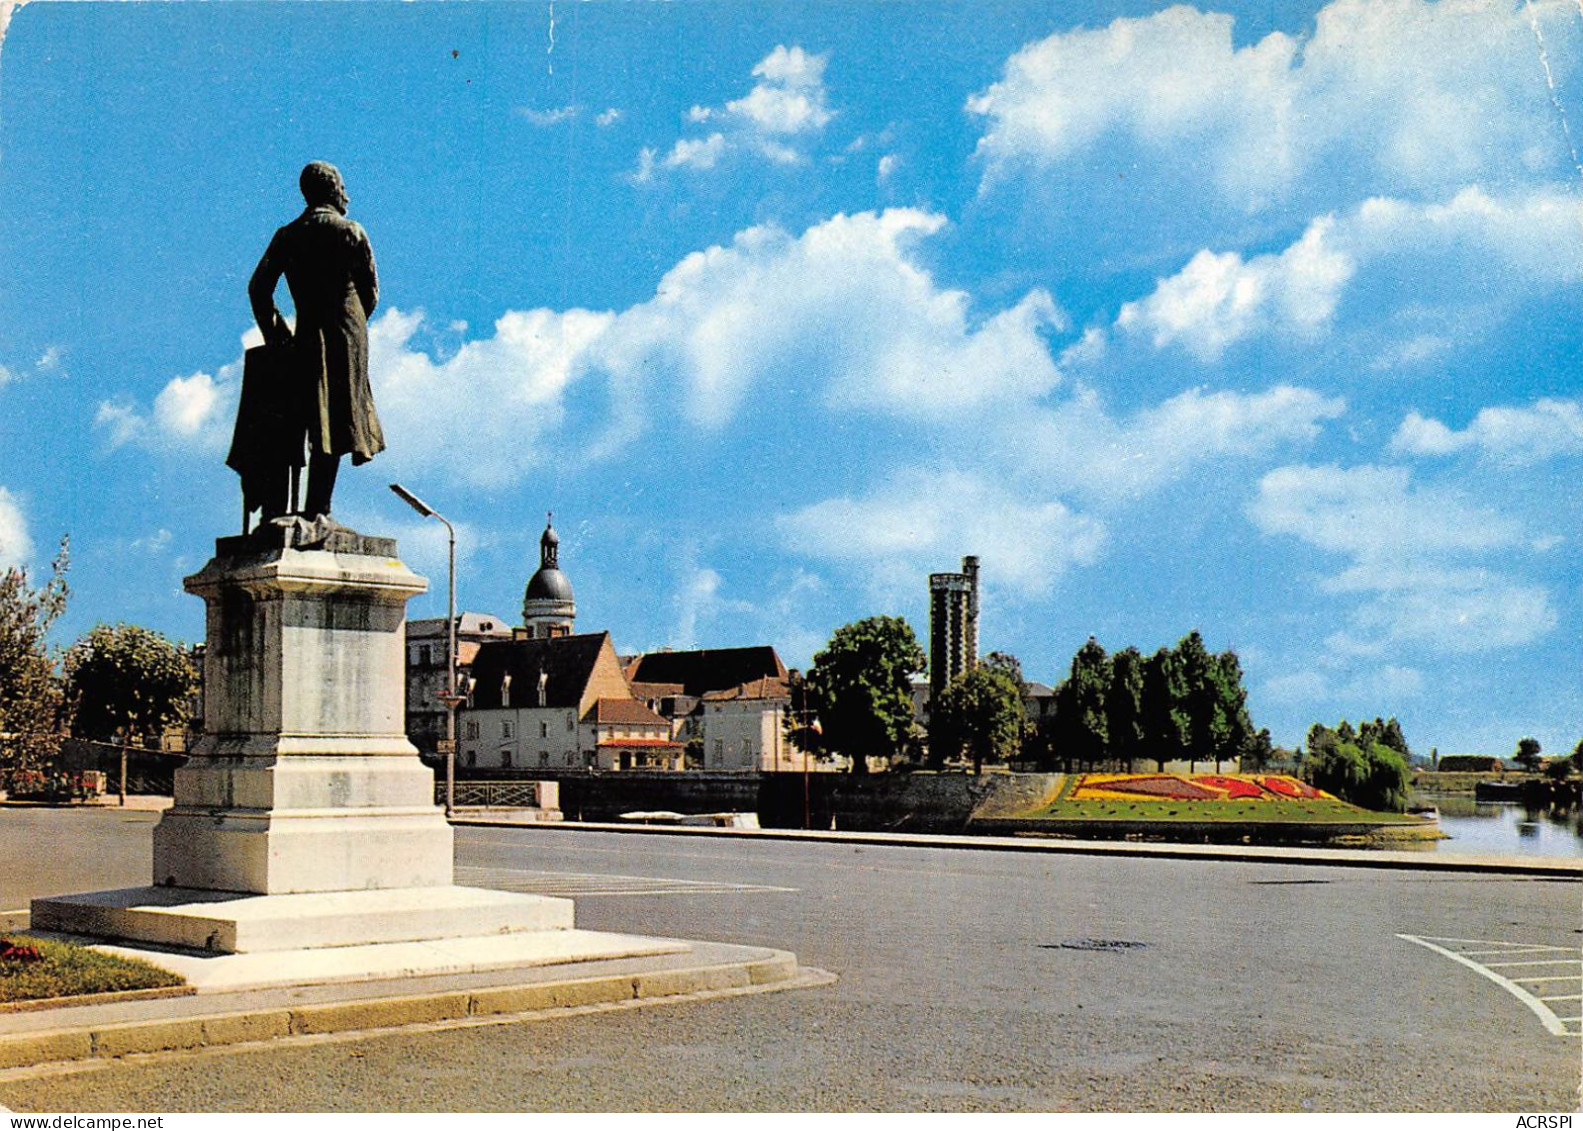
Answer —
(1274, 788)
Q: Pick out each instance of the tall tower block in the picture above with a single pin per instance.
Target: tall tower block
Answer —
(953, 624)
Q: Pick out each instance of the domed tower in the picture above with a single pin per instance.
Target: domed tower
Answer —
(548, 608)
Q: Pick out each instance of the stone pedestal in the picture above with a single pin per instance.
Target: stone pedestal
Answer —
(304, 780)
(304, 820)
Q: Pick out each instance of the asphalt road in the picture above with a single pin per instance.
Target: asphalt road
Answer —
(962, 987)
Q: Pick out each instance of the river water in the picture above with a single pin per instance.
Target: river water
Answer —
(1507, 829)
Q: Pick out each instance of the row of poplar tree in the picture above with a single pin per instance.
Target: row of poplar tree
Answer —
(1180, 704)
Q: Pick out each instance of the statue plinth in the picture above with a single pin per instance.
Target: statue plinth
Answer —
(304, 780)
(304, 825)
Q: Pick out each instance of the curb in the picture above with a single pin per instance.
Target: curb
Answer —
(103, 1042)
(1326, 857)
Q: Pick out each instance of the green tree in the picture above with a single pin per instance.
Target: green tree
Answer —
(1258, 752)
(1321, 739)
(980, 712)
(1124, 706)
(32, 698)
(1577, 756)
(798, 723)
(1375, 777)
(1231, 725)
(128, 684)
(1006, 662)
(1388, 733)
(861, 685)
(1165, 717)
(1081, 731)
(1209, 729)
(1527, 755)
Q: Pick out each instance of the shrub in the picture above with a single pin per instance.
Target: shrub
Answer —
(1469, 764)
(1374, 777)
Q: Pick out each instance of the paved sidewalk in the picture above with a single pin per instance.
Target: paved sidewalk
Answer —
(1329, 857)
(103, 1030)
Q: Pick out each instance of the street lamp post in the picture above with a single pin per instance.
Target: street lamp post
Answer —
(450, 697)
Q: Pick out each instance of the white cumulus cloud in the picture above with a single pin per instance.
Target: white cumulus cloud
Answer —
(776, 120)
(1404, 96)
(917, 520)
(195, 411)
(1079, 445)
(16, 547)
(1219, 299)
(187, 404)
(1516, 435)
(1414, 556)
(1484, 246)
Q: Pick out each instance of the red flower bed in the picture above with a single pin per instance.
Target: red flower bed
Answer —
(1175, 789)
(1236, 788)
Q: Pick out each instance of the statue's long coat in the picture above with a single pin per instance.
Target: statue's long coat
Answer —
(329, 267)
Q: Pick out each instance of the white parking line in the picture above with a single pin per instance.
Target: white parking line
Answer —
(586, 884)
(1553, 1023)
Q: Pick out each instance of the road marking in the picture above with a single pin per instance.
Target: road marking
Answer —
(1560, 1026)
(587, 884)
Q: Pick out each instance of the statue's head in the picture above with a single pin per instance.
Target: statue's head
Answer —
(321, 184)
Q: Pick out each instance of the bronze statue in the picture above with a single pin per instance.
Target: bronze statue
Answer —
(311, 383)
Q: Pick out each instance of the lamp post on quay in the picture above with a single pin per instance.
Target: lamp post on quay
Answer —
(450, 697)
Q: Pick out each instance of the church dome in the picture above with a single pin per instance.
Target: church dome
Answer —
(548, 585)
(548, 607)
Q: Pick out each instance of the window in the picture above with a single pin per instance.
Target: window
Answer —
(544, 730)
(472, 757)
(505, 759)
(425, 656)
(720, 750)
(571, 720)
(470, 728)
(505, 691)
(544, 757)
(505, 728)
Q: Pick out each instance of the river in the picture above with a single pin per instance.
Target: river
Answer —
(1507, 828)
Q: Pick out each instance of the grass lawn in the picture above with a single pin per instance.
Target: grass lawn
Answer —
(65, 970)
(1299, 812)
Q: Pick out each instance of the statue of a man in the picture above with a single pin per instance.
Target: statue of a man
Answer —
(329, 268)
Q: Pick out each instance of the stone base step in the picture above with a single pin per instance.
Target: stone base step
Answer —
(233, 923)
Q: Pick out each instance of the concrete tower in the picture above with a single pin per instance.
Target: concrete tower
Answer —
(953, 624)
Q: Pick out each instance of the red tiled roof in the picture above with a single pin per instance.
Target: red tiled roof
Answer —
(766, 688)
(623, 711)
(656, 690)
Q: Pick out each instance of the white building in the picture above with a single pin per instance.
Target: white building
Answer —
(744, 727)
(560, 702)
(427, 679)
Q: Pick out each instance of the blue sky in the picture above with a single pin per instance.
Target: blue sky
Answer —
(1256, 318)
